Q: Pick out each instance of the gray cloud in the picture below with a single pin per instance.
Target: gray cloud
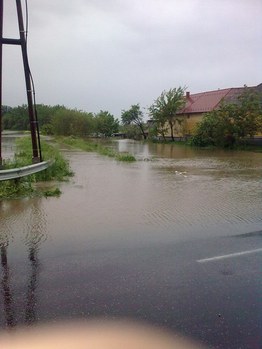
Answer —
(98, 54)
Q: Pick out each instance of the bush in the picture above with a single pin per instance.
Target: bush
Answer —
(59, 171)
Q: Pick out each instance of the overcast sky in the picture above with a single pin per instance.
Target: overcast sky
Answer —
(109, 54)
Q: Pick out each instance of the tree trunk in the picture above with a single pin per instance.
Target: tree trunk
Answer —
(142, 130)
(172, 130)
(163, 135)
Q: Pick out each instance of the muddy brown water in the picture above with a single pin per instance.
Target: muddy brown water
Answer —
(171, 194)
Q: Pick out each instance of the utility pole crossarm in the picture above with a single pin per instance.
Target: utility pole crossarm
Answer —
(8, 41)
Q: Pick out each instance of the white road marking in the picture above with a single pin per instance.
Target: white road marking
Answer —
(231, 255)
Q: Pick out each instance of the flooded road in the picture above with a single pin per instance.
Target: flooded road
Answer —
(124, 240)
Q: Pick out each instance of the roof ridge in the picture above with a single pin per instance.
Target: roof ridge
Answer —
(223, 89)
(214, 91)
(229, 90)
(203, 102)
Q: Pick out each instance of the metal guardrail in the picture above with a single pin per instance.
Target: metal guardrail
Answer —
(23, 171)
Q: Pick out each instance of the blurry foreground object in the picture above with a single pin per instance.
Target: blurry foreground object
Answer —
(95, 335)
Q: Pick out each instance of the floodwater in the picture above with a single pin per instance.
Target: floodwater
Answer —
(122, 238)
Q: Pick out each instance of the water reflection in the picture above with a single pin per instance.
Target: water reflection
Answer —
(34, 233)
(8, 143)
(134, 147)
(5, 238)
(30, 313)
(6, 290)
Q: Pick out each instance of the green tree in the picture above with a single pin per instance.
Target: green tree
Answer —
(248, 114)
(45, 113)
(6, 109)
(106, 124)
(164, 110)
(16, 119)
(131, 131)
(68, 122)
(231, 123)
(134, 116)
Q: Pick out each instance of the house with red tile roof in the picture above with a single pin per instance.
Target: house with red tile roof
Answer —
(200, 103)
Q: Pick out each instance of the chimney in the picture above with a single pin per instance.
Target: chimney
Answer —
(187, 95)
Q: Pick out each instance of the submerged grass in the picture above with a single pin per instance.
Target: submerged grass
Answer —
(59, 170)
(125, 157)
(91, 146)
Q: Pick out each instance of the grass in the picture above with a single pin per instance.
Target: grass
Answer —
(125, 157)
(14, 189)
(59, 170)
(90, 146)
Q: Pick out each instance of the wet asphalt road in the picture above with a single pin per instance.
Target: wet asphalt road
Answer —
(218, 302)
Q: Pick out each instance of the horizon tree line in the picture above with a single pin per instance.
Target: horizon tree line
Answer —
(228, 125)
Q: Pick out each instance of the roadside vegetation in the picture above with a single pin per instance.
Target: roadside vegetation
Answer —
(92, 146)
(59, 170)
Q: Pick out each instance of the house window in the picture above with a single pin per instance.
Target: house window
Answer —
(188, 116)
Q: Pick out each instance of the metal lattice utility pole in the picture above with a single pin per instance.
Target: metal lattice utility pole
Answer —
(28, 81)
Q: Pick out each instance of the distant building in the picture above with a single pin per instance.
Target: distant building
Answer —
(198, 104)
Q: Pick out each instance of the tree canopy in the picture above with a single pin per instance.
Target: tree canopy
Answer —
(72, 122)
(164, 110)
(134, 116)
(60, 120)
(106, 124)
